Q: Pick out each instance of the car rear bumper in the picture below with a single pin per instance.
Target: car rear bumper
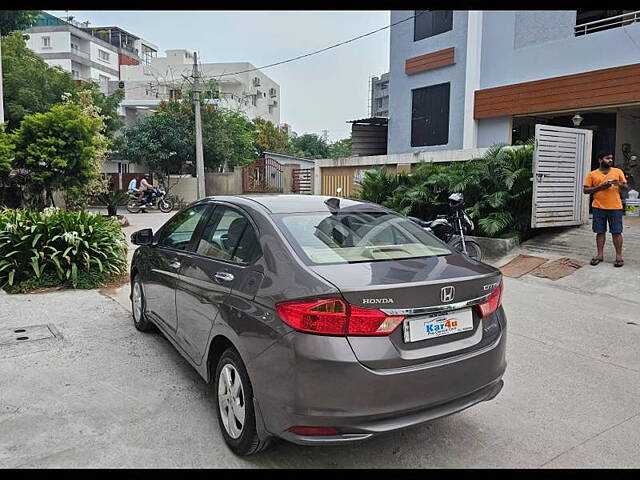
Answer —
(366, 428)
(309, 380)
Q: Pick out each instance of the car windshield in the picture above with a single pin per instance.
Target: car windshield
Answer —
(357, 236)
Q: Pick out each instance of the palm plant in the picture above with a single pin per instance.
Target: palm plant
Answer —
(113, 199)
(496, 187)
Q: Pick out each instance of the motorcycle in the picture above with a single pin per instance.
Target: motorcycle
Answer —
(452, 228)
(157, 198)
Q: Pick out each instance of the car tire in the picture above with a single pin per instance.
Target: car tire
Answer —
(240, 436)
(138, 306)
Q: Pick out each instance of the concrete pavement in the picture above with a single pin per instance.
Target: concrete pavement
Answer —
(102, 394)
(105, 395)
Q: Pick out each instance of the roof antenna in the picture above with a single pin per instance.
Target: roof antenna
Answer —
(333, 203)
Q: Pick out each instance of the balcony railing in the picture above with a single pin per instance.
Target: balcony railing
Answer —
(80, 53)
(606, 23)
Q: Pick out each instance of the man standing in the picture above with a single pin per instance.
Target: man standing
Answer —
(605, 183)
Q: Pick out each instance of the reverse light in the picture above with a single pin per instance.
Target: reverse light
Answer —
(334, 316)
(492, 304)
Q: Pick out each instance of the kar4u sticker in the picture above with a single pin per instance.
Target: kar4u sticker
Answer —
(442, 325)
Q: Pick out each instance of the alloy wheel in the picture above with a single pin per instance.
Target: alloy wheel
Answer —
(137, 302)
(231, 401)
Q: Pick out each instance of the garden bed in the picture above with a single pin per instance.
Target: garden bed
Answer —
(59, 249)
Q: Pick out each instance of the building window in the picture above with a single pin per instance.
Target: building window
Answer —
(430, 116)
(254, 100)
(428, 23)
(123, 167)
(46, 42)
(103, 78)
(75, 74)
(102, 55)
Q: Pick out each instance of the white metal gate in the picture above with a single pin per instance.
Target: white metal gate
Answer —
(561, 160)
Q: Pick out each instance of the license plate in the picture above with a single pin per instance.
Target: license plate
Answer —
(437, 325)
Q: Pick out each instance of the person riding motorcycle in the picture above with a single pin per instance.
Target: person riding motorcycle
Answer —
(146, 188)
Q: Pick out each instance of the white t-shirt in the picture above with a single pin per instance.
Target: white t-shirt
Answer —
(132, 185)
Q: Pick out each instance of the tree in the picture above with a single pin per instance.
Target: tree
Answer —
(61, 148)
(340, 149)
(29, 84)
(227, 136)
(7, 151)
(107, 104)
(310, 145)
(11, 20)
(233, 139)
(270, 138)
(163, 141)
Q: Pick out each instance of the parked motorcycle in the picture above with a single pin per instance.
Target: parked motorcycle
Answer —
(452, 228)
(158, 198)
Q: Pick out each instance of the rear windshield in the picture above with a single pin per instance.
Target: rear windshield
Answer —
(350, 237)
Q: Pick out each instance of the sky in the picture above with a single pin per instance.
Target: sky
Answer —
(321, 92)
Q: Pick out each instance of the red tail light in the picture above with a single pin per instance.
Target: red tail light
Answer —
(334, 316)
(314, 431)
(492, 304)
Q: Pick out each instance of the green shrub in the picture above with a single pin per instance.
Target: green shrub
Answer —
(79, 247)
(497, 189)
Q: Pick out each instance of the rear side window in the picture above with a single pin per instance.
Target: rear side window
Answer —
(351, 237)
(229, 236)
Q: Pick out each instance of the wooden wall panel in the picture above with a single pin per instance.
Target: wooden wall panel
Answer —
(430, 61)
(609, 86)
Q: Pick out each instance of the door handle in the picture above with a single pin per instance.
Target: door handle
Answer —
(224, 276)
(175, 263)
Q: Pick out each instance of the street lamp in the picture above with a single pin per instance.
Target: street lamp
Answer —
(577, 120)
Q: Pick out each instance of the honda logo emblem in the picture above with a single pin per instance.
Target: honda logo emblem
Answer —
(447, 293)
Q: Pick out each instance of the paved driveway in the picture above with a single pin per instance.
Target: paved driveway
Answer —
(102, 394)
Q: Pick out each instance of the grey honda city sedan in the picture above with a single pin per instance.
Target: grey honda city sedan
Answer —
(320, 320)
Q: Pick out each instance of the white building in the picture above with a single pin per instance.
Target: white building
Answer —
(240, 86)
(88, 53)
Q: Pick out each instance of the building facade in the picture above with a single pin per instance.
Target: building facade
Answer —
(469, 79)
(88, 53)
(237, 86)
(379, 96)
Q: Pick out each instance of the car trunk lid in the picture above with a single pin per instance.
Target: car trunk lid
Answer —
(414, 288)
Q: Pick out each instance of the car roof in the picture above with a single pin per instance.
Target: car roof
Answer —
(294, 203)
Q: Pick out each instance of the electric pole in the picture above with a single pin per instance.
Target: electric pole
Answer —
(199, 154)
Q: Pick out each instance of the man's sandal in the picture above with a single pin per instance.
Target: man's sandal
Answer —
(595, 261)
(618, 263)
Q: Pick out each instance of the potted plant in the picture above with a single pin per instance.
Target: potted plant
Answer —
(113, 199)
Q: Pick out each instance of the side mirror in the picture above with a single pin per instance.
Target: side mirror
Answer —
(142, 237)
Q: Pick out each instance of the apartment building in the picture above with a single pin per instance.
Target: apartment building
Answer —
(467, 79)
(88, 53)
(237, 86)
(379, 91)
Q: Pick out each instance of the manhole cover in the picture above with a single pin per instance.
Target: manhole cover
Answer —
(11, 336)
